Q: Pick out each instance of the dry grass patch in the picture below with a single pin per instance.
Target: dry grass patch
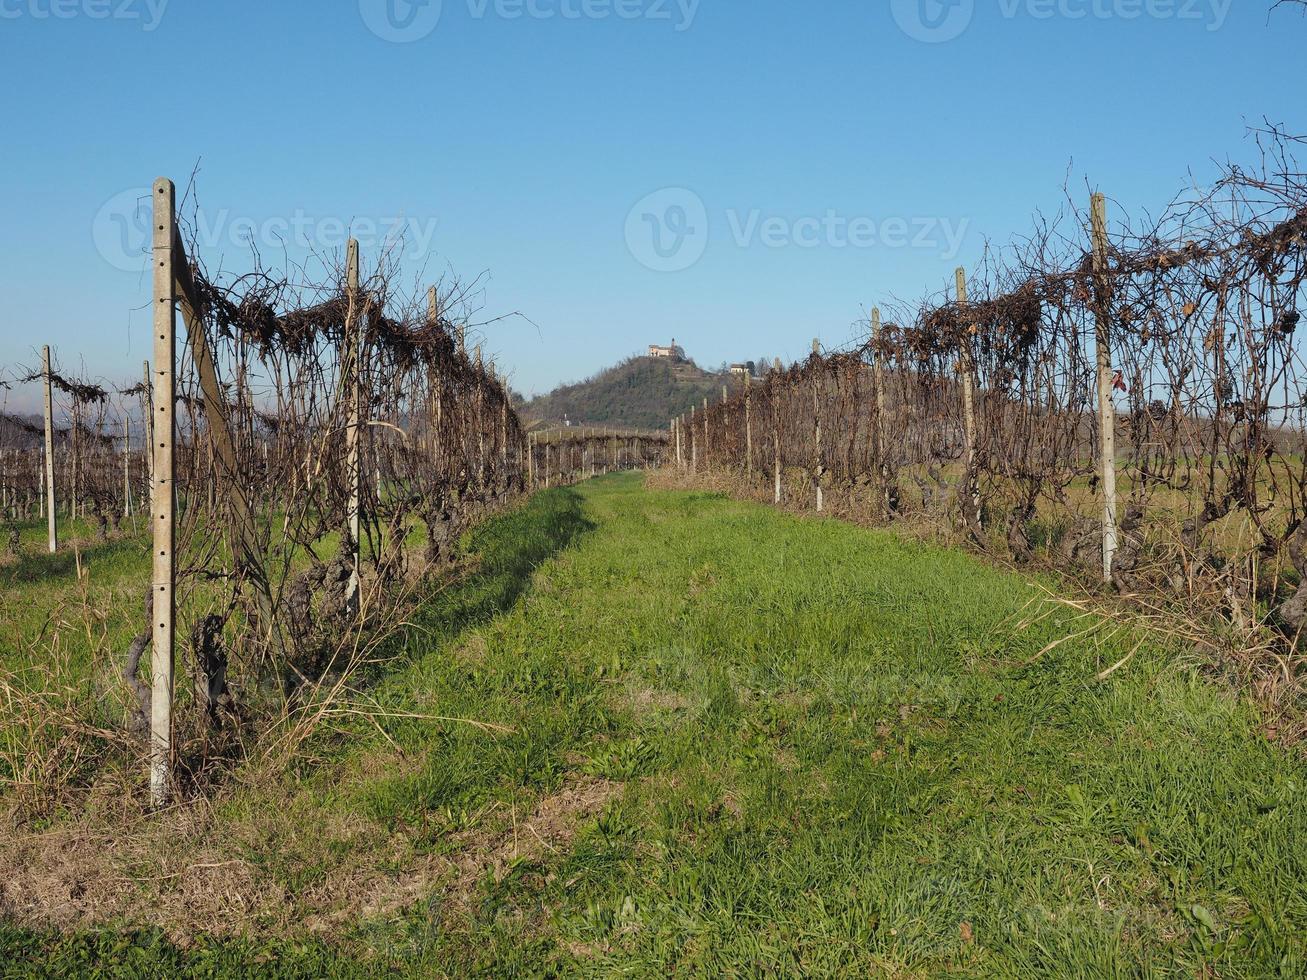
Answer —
(187, 871)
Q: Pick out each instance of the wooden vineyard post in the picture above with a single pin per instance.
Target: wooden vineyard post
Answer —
(676, 436)
(433, 320)
(1106, 408)
(52, 521)
(776, 428)
(222, 454)
(531, 460)
(880, 449)
(817, 471)
(503, 430)
(967, 368)
(353, 431)
(480, 420)
(164, 495)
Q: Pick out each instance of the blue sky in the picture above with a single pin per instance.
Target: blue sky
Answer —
(805, 159)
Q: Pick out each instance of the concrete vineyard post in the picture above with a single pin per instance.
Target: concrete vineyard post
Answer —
(353, 433)
(707, 446)
(967, 369)
(726, 425)
(1106, 407)
(164, 494)
(52, 522)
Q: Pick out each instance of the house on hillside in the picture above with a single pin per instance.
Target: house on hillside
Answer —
(746, 369)
(672, 352)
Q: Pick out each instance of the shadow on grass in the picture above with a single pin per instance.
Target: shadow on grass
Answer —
(505, 552)
(509, 549)
(34, 568)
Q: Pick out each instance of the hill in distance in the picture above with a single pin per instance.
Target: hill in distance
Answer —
(638, 393)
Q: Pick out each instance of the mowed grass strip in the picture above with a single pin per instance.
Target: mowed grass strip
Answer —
(790, 747)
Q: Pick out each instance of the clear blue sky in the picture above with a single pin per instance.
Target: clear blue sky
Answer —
(527, 133)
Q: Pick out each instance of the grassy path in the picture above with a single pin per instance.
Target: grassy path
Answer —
(746, 744)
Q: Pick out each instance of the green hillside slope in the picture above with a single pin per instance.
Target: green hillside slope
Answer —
(639, 393)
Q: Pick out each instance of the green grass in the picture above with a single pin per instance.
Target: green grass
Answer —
(836, 757)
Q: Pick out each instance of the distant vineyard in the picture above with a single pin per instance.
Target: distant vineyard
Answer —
(1129, 403)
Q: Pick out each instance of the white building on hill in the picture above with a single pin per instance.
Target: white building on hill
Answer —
(672, 352)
